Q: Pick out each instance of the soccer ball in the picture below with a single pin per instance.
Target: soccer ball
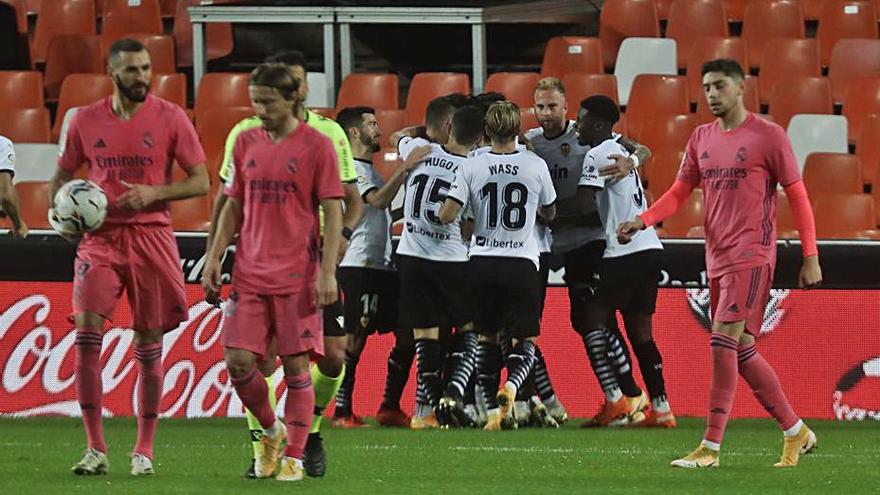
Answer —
(80, 207)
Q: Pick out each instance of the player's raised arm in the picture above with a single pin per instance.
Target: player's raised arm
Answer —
(623, 165)
(382, 197)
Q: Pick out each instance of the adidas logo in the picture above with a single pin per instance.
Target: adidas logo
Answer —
(100, 144)
(251, 164)
(307, 334)
(733, 308)
(704, 156)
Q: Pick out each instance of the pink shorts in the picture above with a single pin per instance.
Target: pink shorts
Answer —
(741, 295)
(143, 260)
(252, 320)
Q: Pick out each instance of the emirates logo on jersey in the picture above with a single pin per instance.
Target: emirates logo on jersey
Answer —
(565, 148)
(292, 166)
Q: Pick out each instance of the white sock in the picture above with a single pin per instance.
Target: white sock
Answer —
(712, 445)
(660, 405)
(794, 430)
(511, 388)
(613, 395)
(553, 401)
(271, 431)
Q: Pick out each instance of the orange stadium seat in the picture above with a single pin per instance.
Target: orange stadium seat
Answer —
(813, 9)
(20, 7)
(654, 95)
(691, 214)
(61, 17)
(25, 125)
(750, 99)
(79, 90)
(832, 173)
(844, 19)
(784, 218)
(23, 89)
(853, 59)
(736, 9)
(192, 214)
(171, 87)
(390, 121)
(875, 190)
(329, 113)
(123, 16)
(518, 87)
(528, 119)
(378, 91)
(580, 86)
(33, 197)
(386, 162)
(621, 127)
(690, 20)
(620, 19)
(841, 215)
(169, 7)
(696, 232)
(661, 169)
(218, 36)
(426, 86)
(572, 55)
(800, 95)
(868, 150)
(711, 48)
(862, 99)
(213, 129)
(663, 8)
(768, 19)
(72, 54)
(787, 58)
(667, 131)
(222, 89)
(160, 48)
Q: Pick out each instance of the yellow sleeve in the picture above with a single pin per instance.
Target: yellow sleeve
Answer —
(347, 172)
(226, 164)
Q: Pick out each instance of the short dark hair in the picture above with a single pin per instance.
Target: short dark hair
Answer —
(484, 100)
(457, 100)
(601, 107)
(439, 110)
(124, 45)
(287, 57)
(275, 76)
(729, 67)
(468, 124)
(350, 117)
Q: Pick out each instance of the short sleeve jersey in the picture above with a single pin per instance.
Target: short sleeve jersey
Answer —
(370, 243)
(279, 186)
(505, 191)
(7, 156)
(424, 236)
(138, 151)
(739, 171)
(618, 201)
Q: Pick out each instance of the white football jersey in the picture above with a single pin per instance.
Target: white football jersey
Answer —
(370, 243)
(7, 155)
(565, 159)
(426, 186)
(618, 201)
(505, 191)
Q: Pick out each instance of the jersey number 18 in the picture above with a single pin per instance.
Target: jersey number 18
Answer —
(513, 205)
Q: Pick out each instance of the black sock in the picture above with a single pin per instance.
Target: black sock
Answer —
(430, 355)
(462, 362)
(520, 362)
(399, 363)
(596, 342)
(621, 362)
(651, 365)
(543, 385)
(489, 372)
(346, 389)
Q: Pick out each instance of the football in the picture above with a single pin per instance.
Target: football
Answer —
(80, 207)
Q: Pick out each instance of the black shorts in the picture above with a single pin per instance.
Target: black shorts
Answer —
(433, 293)
(629, 283)
(581, 278)
(506, 296)
(370, 299)
(543, 273)
(333, 316)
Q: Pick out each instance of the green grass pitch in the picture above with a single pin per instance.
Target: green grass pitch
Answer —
(209, 456)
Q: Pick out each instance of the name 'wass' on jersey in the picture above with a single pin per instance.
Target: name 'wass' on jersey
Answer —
(424, 236)
(504, 191)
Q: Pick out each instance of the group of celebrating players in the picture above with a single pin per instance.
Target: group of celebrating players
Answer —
(488, 210)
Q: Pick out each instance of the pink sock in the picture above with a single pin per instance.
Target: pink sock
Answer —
(254, 394)
(298, 413)
(723, 386)
(149, 394)
(88, 384)
(765, 385)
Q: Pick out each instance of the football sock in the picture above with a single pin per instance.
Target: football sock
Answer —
(399, 363)
(254, 394)
(253, 423)
(325, 387)
(621, 361)
(489, 372)
(596, 342)
(542, 377)
(88, 384)
(346, 389)
(766, 387)
(463, 360)
(430, 356)
(297, 413)
(651, 365)
(723, 389)
(520, 362)
(149, 358)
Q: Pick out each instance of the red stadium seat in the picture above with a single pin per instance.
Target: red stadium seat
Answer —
(653, 95)
(800, 95)
(663, 7)
(528, 118)
(661, 169)
(696, 232)
(868, 151)
(813, 9)
(580, 86)
(218, 36)
(122, 17)
(711, 48)
(691, 214)
(621, 127)
(25, 125)
(160, 48)
(620, 19)
(750, 99)
(192, 214)
(518, 87)
(844, 19)
(378, 91)
(390, 121)
(21, 89)
(72, 54)
(862, 99)
(839, 215)
(59, 17)
(171, 87)
(80, 90)
(386, 162)
(33, 197)
(222, 89)
(736, 9)
(787, 58)
(20, 7)
(426, 86)
(690, 20)
(768, 19)
(853, 59)
(832, 173)
(668, 131)
(213, 129)
(169, 7)
(572, 55)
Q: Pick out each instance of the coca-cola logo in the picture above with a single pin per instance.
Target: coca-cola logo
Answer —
(843, 405)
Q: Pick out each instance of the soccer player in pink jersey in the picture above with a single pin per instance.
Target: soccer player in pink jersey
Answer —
(282, 171)
(129, 141)
(738, 160)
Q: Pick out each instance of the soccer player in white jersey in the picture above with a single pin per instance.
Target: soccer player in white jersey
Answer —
(8, 196)
(367, 274)
(577, 232)
(506, 188)
(432, 256)
(628, 274)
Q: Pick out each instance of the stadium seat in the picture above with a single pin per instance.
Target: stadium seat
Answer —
(661, 169)
(160, 48)
(621, 126)
(800, 95)
(814, 133)
(222, 89)
(655, 95)
(663, 9)
(768, 19)
(528, 119)
(390, 121)
(787, 59)
(813, 9)
(572, 55)
(218, 36)
(426, 86)
(832, 173)
(862, 100)
(711, 48)
(20, 7)
(621, 19)
(853, 59)
(518, 87)
(71, 54)
(33, 197)
(171, 87)
(329, 113)
(642, 56)
(750, 99)
(59, 17)
(580, 86)
(868, 150)
(844, 19)
(35, 161)
(690, 20)
(21, 89)
(80, 90)
(169, 7)
(696, 232)
(386, 162)
(25, 125)
(124, 16)
(378, 91)
(691, 214)
(736, 9)
(213, 129)
(784, 217)
(192, 214)
(840, 215)
(667, 131)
